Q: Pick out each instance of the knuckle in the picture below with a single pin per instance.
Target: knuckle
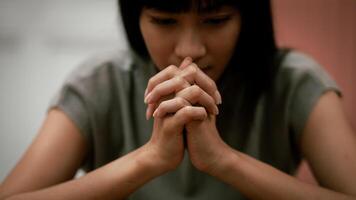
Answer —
(193, 69)
(171, 69)
(187, 110)
(195, 66)
(181, 83)
(211, 100)
(151, 81)
(195, 88)
(158, 111)
(184, 111)
(161, 106)
(196, 91)
(211, 84)
(179, 80)
(181, 102)
(203, 111)
(158, 88)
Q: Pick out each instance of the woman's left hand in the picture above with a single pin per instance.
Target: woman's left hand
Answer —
(207, 151)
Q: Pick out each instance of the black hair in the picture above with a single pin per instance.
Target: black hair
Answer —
(253, 58)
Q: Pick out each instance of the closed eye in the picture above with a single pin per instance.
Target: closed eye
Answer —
(163, 21)
(217, 20)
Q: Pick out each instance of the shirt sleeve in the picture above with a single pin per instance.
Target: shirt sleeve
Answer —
(309, 82)
(85, 98)
(71, 101)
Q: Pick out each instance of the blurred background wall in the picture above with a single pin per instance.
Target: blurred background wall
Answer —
(41, 41)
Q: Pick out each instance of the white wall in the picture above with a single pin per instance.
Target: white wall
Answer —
(41, 41)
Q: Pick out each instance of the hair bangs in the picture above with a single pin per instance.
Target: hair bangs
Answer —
(178, 6)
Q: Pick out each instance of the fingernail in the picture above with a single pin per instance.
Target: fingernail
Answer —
(148, 98)
(155, 113)
(146, 92)
(186, 62)
(216, 110)
(218, 97)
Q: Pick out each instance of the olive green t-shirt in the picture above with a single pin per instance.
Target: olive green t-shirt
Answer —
(104, 98)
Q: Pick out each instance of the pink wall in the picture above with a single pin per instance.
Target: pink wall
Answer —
(326, 30)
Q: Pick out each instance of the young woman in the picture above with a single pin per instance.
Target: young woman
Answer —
(232, 115)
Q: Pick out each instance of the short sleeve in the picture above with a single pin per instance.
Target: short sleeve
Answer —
(309, 81)
(85, 98)
(70, 100)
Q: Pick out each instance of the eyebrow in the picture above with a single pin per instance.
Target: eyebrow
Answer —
(214, 10)
(182, 9)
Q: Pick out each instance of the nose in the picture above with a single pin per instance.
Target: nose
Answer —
(190, 44)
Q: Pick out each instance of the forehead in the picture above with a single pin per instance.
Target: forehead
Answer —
(178, 6)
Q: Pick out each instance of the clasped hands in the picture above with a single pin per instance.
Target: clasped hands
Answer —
(185, 98)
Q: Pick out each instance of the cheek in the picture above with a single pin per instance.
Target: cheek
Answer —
(231, 35)
(223, 48)
(158, 48)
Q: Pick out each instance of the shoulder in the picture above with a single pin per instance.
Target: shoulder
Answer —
(93, 86)
(298, 64)
(301, 67)
(100, 65)
(300, 71)
(300, 82)
(96, 81)
(297, 58)
(101, 72)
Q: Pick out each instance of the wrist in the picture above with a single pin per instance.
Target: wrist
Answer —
(225, 164)
(149, 159)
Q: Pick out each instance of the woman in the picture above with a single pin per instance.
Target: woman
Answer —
(232, 115)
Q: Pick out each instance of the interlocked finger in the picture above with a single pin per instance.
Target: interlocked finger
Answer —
(166, 74)
(195, 95)
(170, 106)
(187, 114)
(194, 75)
(165, 88)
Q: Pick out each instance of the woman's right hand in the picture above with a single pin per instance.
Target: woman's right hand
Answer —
(166, 143)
